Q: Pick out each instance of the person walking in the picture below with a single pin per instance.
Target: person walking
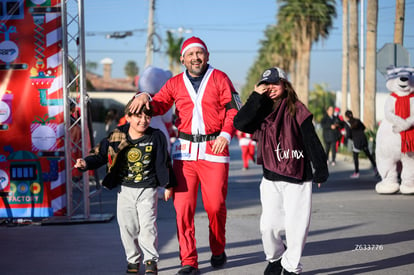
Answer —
(247, 146)
(111, 120)
(341, 128)
(330, 132)
(288, 149)
(356, 132)
(138, 162)
(205, 105)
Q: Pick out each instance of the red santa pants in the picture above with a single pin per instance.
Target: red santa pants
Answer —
(213, 179)
(247, 154)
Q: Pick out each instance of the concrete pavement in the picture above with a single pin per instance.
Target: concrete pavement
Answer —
(353, 231)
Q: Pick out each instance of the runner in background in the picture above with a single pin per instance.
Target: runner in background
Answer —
(247, 146)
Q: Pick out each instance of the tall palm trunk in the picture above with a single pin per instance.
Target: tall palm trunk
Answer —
(354, 58)
(291, 69)
(302, 78)
(399, 22)
(173, 66)
(345, 56)
(307, 21)
(294, 65)
(371, 64)
(306, 70)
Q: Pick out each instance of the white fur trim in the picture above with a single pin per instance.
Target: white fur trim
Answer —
(191, 46)
(226, 136)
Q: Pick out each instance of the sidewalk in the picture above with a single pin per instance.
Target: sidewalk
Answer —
(353, 231)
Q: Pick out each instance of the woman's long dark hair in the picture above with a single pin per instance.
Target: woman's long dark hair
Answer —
(351, 120)
(290, 95)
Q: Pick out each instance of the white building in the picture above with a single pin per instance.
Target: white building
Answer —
(380, 98)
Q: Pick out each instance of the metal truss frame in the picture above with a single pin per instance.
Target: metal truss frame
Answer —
(78, 190)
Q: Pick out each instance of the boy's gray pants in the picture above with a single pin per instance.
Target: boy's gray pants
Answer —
(137, 220)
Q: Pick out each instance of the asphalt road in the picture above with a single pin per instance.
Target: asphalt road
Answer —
(353, 231)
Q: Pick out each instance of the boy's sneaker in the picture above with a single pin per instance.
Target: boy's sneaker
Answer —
(219, 260)
(132, 268)
(151, 268)
(188, 270)
(274, 268)
(354, 176)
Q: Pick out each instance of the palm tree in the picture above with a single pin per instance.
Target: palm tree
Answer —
(354, 58)
(371, 64)
(310, 20)
(399, 22)
(276, 50)
(173, 52)
(345, 56)
(91, 65)
(131, 70)
(319, 100)
(281, 50)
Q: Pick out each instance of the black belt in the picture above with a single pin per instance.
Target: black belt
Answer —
(198, 137)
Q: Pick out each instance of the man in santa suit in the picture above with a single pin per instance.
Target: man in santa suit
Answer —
(206, 103)
(247, 146)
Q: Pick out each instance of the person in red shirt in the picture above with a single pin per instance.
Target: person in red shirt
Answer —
(205, 104)
(341, 128)
(247, 146)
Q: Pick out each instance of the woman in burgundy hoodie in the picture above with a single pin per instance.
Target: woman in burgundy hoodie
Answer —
(292, 157)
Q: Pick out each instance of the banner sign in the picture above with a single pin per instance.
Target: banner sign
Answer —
(32, 164)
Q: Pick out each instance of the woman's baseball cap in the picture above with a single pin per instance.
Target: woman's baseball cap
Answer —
(272, 76)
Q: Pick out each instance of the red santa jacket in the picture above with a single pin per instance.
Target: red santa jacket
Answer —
(209, 110)
(245, 139)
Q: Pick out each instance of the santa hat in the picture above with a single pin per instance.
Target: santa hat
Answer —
(193, 42)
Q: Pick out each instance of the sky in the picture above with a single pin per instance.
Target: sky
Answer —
(232, 29)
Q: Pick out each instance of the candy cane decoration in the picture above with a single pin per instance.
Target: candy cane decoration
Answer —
(48, 35)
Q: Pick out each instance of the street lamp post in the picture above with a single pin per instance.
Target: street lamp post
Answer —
(180, 31)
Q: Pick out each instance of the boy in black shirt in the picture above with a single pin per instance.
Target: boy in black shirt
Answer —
(138, 162)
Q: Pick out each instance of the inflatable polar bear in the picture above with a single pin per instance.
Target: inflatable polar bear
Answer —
(395, 136)
(151, 81)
